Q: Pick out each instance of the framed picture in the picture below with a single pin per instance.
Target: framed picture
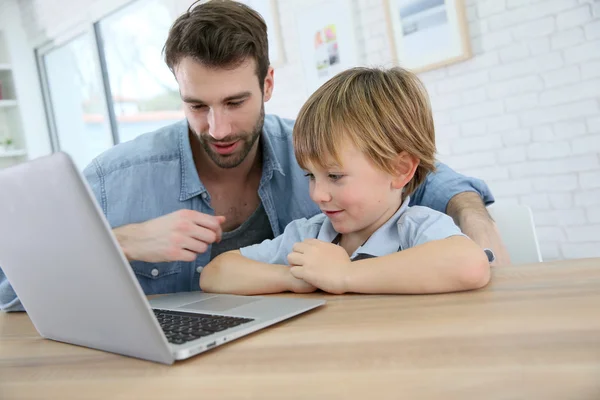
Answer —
(326, 41)
(270, 13)
(427, 34)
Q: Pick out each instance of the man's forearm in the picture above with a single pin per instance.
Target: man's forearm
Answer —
(123, 234)
(471, 215)
(235, 274)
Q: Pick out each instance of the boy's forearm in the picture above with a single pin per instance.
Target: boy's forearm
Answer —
(470, 214)
(448, 265)
(235, 274)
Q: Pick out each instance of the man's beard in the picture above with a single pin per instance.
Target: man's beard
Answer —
(247, 141)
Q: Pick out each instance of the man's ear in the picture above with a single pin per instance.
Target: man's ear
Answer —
(405, 166)
(269, 84)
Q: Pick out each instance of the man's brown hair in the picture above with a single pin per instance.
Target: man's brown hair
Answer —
(219, 34)
(382, 113)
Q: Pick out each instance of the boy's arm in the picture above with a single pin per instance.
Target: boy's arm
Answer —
(233, 273)
(435, 258)
(258, 269)
(447, 265)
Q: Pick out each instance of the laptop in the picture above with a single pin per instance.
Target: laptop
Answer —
(61, 258)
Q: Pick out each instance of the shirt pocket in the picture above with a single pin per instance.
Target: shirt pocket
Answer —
(156, 278)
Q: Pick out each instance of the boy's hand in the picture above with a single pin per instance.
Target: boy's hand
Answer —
(321, 264)
(299, 286)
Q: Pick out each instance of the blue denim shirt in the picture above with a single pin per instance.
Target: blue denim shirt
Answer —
(155, 175)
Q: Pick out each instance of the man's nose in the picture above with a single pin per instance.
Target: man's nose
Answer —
(219, 125)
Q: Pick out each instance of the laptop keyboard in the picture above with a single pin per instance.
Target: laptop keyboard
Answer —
(180, 327)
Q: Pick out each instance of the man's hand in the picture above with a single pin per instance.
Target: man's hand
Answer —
(179, 236)
(321, 264)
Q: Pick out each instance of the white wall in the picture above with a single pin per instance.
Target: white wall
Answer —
(523, 113)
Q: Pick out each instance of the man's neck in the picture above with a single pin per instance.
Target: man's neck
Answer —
(209, 172)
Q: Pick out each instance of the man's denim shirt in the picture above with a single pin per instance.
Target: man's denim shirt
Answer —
(155, 175)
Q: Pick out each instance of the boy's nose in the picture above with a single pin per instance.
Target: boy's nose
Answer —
(319, 193)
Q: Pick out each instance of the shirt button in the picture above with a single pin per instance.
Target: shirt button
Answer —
(199, 269)
(154, 272)
(204, 195)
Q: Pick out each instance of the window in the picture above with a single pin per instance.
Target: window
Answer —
(145, 95)
(75, 99)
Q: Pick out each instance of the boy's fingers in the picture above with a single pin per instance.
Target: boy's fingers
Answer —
(297, 272)
(295, 259)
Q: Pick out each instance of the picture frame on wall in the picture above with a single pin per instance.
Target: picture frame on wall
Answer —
(427, 34)
(326, 41)
(268, 9)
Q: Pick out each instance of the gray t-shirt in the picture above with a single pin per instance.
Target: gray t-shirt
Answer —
(254, 230)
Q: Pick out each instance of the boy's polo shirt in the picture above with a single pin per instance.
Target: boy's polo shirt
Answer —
(408, 227)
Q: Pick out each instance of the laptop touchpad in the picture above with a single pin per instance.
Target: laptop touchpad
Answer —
(218, 303)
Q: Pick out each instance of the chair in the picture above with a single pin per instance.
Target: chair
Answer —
(517, 230)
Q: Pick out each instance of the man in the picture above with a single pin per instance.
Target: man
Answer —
(226, 177)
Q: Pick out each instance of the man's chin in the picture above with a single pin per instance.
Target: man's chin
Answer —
(226, 161)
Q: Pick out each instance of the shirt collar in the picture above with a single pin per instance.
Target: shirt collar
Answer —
(383, 241)
(190, 181)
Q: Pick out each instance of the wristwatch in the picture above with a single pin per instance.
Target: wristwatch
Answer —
(490, 255)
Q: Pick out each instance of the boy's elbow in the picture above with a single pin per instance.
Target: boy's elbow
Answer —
(476, 272)
(209, 278)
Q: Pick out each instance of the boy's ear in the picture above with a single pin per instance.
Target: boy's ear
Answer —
(405, 166)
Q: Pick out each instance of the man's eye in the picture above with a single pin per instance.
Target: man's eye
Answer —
(235, 103)
(197, 106)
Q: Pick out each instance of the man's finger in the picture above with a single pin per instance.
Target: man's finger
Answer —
(205, 235)
(208, 221)
(194, 245)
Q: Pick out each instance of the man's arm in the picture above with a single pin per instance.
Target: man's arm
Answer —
(464, 199)
(8, 298)
(469, 213)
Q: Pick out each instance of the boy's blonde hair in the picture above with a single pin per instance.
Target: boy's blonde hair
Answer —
(382, 113)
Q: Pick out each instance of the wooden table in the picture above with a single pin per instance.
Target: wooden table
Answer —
(533, 333)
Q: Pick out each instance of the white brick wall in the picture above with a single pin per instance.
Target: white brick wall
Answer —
(523, 113)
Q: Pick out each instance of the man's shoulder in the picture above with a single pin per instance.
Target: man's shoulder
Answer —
(152, 147)
(420, 214)
(278, 128)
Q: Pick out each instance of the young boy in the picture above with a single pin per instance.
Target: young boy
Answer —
(366, 140)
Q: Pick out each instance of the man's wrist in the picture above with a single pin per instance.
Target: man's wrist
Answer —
(123, 235)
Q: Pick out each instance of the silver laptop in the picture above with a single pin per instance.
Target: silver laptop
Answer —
(59, 254)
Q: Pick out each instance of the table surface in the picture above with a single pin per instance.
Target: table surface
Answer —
(532, 333)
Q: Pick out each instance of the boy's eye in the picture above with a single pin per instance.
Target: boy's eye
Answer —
(335, 177)
(310, 176)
